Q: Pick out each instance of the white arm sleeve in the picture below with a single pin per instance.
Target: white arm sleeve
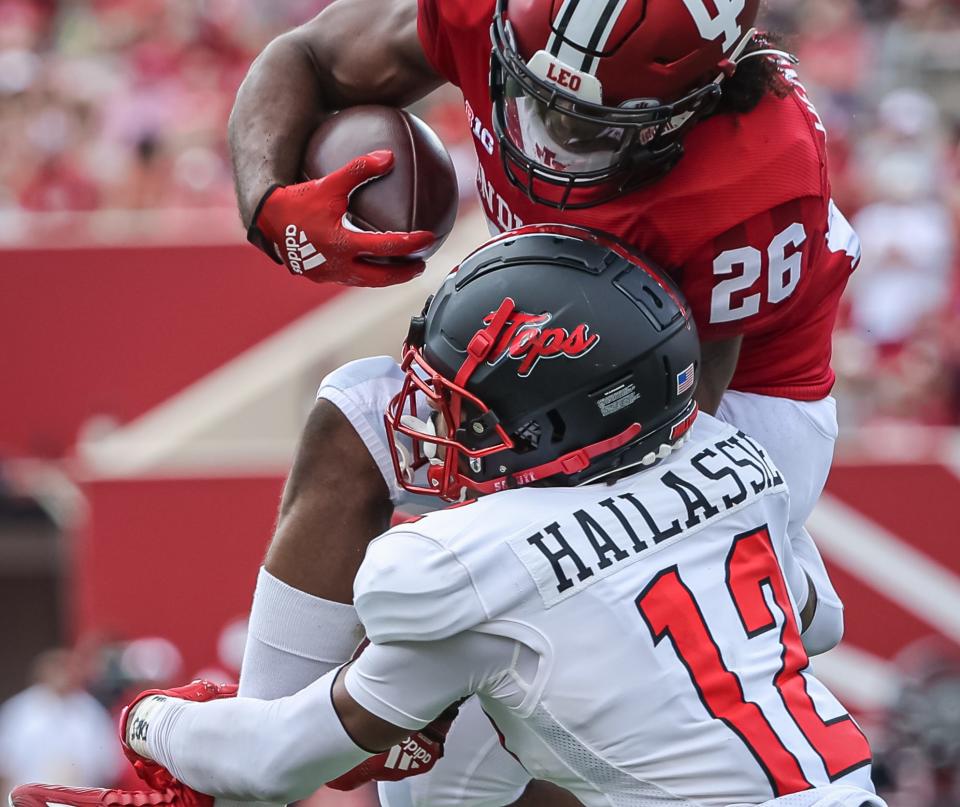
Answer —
(777, 509)
(795, 577)
(253, 750)
(283, 750)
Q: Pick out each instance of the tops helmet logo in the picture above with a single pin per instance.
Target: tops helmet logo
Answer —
(525, 339)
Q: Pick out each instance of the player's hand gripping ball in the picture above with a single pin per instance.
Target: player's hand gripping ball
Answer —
(380, 195)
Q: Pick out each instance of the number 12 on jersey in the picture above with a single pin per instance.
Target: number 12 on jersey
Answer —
(670, 610)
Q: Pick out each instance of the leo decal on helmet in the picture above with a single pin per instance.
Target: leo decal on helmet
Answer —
(592, 98)
(469, 418)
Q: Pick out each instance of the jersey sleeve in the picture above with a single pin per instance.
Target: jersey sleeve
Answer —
(777, 515)
(361, 390)
(757, 272)
(411, 588)
(409, 684)
(434, 40)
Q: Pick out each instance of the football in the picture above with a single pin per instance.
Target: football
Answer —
(420, 193)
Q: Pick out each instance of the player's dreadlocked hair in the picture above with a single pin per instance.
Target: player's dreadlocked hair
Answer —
(754, 78)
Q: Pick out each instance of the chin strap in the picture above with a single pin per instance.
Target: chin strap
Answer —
(788, 57)
(650, 459)
(482, 342)
(478, 348)
(579, 460)
(729, 65)
(568, 465)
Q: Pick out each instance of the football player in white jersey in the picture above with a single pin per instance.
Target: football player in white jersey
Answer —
(621, 597)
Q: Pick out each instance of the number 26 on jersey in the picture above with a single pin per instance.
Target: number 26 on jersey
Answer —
(748, 276)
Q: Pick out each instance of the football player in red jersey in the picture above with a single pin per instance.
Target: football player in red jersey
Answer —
(670, 125)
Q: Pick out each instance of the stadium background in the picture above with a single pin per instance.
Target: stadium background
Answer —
(155, 370)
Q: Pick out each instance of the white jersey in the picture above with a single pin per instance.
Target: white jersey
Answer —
(798, 435)
(640, 640)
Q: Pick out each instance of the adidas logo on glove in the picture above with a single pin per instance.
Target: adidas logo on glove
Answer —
(409, 756)
(301, 254)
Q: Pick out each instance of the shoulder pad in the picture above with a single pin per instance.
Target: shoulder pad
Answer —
(411, 588)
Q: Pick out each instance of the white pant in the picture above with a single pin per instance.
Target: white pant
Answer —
(800, 437)
(832, 796)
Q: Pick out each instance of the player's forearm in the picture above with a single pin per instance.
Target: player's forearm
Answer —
(252, 750)
(809, 611)
(277, 107)
(334, 503)
(357, 52)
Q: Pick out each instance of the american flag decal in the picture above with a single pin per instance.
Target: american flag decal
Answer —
(685, 380)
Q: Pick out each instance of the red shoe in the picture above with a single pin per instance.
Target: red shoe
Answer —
(153, 773)
(57, 796)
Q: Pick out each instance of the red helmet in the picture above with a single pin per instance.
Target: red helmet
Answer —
(592, 97)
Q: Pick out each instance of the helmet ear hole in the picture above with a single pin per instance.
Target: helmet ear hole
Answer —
(558, 425)
(527, 437)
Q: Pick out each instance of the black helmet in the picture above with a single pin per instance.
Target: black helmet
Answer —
(551, 353)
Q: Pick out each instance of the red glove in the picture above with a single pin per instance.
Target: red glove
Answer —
(415, 755)
(35, 795)
(153, 773)
(302, 226)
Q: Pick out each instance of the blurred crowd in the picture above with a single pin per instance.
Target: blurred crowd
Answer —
(885, 76)
(55, 730)
(121, 105)
(61, 727)
(917, 742)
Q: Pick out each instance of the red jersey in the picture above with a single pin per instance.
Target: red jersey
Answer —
(744, 222)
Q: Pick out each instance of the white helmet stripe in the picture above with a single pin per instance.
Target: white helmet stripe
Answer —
(579, 27)
(563, 16)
